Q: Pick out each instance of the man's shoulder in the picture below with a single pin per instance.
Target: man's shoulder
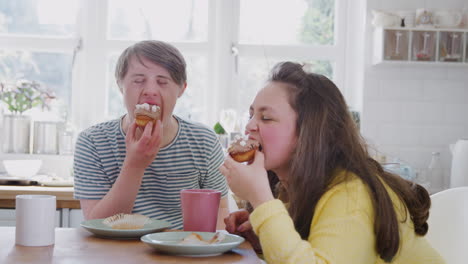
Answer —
(101, 129)
(196, 129)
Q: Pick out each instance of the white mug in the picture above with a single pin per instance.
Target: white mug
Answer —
(447, 18)
(35, 220)
(385, 19)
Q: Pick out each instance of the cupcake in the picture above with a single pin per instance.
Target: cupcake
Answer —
(144, 113)
(242, 150)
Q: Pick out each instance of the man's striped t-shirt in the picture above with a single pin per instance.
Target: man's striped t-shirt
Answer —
(191, 161)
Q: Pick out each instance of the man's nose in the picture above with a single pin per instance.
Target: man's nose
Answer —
(151, 88)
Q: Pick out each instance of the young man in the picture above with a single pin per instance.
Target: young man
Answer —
(122, 168)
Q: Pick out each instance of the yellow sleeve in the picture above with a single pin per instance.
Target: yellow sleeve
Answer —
(341, 231)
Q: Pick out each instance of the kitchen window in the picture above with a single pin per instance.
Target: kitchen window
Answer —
(229, 45)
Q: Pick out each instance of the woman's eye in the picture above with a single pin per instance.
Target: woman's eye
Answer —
(138, 81)
(265, 118)
(162, 82)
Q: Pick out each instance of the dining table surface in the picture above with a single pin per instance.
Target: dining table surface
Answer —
(76, 245)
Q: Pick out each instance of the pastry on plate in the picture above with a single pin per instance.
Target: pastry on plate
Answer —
(196, 239)
(126, 221)
(145, 112)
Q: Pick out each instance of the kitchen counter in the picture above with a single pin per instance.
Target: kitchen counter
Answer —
(64, 195)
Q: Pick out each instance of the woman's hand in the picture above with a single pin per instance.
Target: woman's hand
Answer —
(143, 146)
(248, 182)
(238, 223)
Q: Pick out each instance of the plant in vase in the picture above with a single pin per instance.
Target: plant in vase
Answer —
(18, 98)
(24, 95)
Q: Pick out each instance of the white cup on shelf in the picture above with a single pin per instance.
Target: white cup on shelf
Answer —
(35, 220)
(446, 18)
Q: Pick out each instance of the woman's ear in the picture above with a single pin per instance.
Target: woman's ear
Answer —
(182, 90)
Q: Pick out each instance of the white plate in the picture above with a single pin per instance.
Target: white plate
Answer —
(168, 242)
(56, 183)
(47, 180)
(96, 227)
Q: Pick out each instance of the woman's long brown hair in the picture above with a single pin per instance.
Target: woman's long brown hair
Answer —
(328, 139)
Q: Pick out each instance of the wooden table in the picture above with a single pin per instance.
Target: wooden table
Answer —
(76, 245)
(64, 195)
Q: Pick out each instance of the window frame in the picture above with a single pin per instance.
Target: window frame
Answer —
(335, 53)
(90, 80)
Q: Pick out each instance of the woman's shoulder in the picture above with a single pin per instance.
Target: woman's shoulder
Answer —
(347, 194)
(350, 193)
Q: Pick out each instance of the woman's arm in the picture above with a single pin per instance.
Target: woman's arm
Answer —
(341, 231)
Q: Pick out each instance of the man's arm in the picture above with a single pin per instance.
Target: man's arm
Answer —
(140, 152)
(120, 198)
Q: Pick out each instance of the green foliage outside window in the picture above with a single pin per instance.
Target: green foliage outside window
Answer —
(318, 29)
(218, 129)
(24, 95)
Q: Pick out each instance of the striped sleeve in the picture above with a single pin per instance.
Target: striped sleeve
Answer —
(89, 175)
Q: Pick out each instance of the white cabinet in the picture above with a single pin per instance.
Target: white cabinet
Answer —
(63, 217)
(431, 46)
(76, 217)
(8, 217)
(72, 217)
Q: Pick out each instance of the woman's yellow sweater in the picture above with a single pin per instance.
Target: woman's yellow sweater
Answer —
(341, 232)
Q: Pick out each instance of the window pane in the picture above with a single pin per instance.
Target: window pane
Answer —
(189, 106)
(253, 73)
(177, 20)
(287, 22)
(115, 104)
(38, 17)
(50, 69)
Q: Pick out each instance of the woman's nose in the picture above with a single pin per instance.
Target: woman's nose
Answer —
(251, 125)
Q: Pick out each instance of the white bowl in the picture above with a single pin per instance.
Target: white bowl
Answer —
(22, 168)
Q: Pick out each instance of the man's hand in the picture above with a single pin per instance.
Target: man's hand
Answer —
(143, 146)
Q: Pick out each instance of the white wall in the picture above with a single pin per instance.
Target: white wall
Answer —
(410, 111)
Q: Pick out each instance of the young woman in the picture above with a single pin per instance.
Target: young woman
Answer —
(335, 203)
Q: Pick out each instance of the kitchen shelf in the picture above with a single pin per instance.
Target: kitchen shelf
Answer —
(420, 46)
(58, 165)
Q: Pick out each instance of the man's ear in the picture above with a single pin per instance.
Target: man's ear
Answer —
(119, 85)
(182, 89)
